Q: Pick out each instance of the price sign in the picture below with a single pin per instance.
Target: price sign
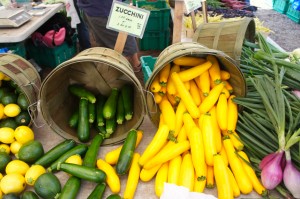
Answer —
(192, 5)
(129, 19)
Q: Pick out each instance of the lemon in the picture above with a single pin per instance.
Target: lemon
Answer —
(17, 166)
(1, 110)
(24, 134)
(4, 148)
(33, 173)
(15, 147)
(74, 159)
(7, 135)
(12, 183)
(12, 110)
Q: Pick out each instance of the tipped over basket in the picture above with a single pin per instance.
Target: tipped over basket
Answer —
(193, 49)
(25, 76)
(99, 70)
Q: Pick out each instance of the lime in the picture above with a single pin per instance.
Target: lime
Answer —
(4, 160)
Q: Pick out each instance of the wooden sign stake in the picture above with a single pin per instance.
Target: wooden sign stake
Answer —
(120, 43)
(178, 18)
(193, 20)
(204, 12)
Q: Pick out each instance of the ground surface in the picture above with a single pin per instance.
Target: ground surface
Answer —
(286, 33)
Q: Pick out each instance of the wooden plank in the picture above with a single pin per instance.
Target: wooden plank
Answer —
(178, 18)
(120, 43)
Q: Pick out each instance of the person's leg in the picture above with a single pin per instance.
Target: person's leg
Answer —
(82, 31)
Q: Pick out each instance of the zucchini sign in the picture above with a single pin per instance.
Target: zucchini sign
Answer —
(126, 18)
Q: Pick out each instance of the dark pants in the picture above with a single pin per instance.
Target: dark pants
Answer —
(82, 30)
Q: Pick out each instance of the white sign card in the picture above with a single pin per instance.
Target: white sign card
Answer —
(192, 5)
(129, 19)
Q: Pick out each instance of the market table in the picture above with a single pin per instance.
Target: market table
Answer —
(14, 35)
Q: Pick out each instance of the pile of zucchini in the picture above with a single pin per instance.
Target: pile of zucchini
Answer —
(101, 112)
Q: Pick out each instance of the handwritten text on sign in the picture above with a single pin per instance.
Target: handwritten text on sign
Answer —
(126, 18)
(192, 5)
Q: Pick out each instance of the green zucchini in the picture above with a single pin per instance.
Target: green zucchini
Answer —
(126, 153)
(114, 196)
(127, 95)
(99, 110)
(110, 125)
(54, 153)
(29, 195)
(98, 191)
(82, 92)
(83, 128)
(73, 121)
(90, 157)
(71, 188)
(79, 149)
(101, 129)
(92, 112)
(110, 106)
(83, 172)
(120, 111)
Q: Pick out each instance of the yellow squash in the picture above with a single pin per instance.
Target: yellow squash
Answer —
(214, 70)
(133, 177)
(185, 96)
(164, 74)
(188, 61)
(170, 85)
(258, 187)
(204, 83)
(198, 157)
(211, 99)
(147, 174)
(193, 72)
(237, 169)
(174, 170)
(168, 154)
(232, 111)
(161, 178)
(158, 141)
(222, 178)
(195, 93)
(112, 179)
(187, 173)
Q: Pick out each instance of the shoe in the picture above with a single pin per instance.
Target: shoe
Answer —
(137, 68)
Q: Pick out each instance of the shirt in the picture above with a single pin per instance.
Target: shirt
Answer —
(95, 8)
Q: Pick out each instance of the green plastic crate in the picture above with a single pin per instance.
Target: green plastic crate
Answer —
(147, 66)
(155, 40)
(293, 14)
(159, 17)
(52, 57)
(281, 6)
(15, 48)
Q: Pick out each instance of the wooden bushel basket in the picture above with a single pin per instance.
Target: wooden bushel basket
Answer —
(25, 76)
(97, 69)
(226, 36)
(237, 79)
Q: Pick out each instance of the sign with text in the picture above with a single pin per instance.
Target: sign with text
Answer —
(192, 5)
(129, 19)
